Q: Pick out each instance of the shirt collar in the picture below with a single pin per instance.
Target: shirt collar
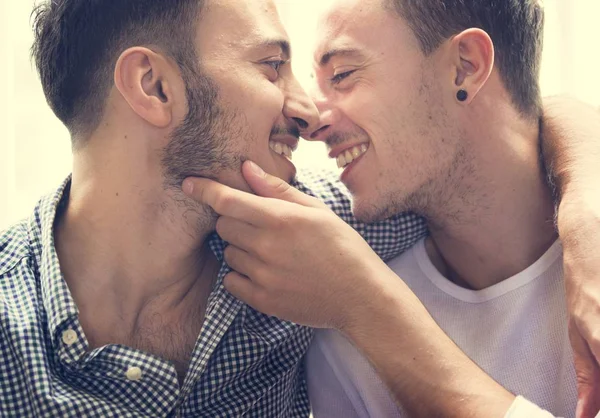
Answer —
(56, 297)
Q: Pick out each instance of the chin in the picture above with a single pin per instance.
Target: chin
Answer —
(365, 211)
(369, 210)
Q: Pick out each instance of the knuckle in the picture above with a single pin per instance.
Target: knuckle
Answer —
(229, 254)
(221, 225)
(279, 223)
(260, 272)
(262, 296)
(279, 219)
(264, 247)
(223, 201)
(280, 187)
(262, 301)
(229, 282)
(225, 230)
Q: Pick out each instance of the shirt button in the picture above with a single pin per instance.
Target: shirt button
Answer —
(134, 374)
(69, 337)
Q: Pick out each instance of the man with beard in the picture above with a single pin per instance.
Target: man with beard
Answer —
(113, 301)
(111, 294)
(433, 108)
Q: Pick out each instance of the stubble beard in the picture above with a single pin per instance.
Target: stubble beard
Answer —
(201, 146)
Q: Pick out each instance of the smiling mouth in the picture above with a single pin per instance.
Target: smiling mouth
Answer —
(347, 157)
(282, 149)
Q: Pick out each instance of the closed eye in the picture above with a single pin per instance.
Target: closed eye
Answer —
(276, 64)
(338, 78)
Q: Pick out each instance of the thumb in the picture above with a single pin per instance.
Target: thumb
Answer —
(269, 186)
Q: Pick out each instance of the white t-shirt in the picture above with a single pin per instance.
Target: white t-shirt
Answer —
(516, 331)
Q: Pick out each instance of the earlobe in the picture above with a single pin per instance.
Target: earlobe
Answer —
(474, 63)
(462, 95)
(141, 78)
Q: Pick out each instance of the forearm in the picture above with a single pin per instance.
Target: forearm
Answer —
(571, 144)
(425, 371)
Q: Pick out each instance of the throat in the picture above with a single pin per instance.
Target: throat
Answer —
(172, 340)
(172, 343)
(476, 268)
(166, 325)
(442, 265)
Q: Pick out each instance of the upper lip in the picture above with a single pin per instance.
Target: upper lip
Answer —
(289, 140)
(335, 151)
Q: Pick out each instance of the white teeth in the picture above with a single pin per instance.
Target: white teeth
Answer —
(350, 155)
(281, 149)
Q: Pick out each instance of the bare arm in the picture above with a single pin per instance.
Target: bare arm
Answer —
(294, 259)
(571, 147)
(424, 370)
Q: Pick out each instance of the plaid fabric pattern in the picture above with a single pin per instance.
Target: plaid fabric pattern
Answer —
(244, 363)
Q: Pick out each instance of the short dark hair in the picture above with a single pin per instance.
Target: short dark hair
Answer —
(515, 27)
(78, 42)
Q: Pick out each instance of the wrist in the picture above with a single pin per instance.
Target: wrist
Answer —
(378, 297)
(578, 212)
(387, 302)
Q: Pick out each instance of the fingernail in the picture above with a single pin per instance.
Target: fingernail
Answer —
(188, 186)
(256, 169)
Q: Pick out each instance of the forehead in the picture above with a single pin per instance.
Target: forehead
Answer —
(357, 24)
(236, 25)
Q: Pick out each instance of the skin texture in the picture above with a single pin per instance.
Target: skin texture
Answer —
(575, 174)
(271, 241)
(427, 152)
(437, 156)
(367, 75)
(128, 232)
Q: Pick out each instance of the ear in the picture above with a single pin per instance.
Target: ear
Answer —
(473, 56)
(145, 80)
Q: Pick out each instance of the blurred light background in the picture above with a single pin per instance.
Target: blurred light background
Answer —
(35, 151)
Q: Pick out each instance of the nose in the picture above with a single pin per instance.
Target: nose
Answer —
(327, 116)
(300, 108)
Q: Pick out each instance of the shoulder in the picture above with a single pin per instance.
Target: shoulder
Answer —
(14, 247)
(17, 276)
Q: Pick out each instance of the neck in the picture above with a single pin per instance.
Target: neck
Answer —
(124, 237)
(495, 214)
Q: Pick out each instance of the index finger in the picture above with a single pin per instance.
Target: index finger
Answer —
(227, 201)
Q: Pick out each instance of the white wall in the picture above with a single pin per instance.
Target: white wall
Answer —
(7, 152)
(35, 148)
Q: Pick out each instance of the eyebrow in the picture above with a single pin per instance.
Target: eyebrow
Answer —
(276, 43)
(344, 52)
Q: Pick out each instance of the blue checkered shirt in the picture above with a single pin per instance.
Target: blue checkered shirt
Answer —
(244, 363)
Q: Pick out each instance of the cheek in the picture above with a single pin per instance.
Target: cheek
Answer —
(368, 109)
(252, 95)
(267, 105)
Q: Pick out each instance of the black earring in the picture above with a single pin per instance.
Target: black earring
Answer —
(462, 95)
